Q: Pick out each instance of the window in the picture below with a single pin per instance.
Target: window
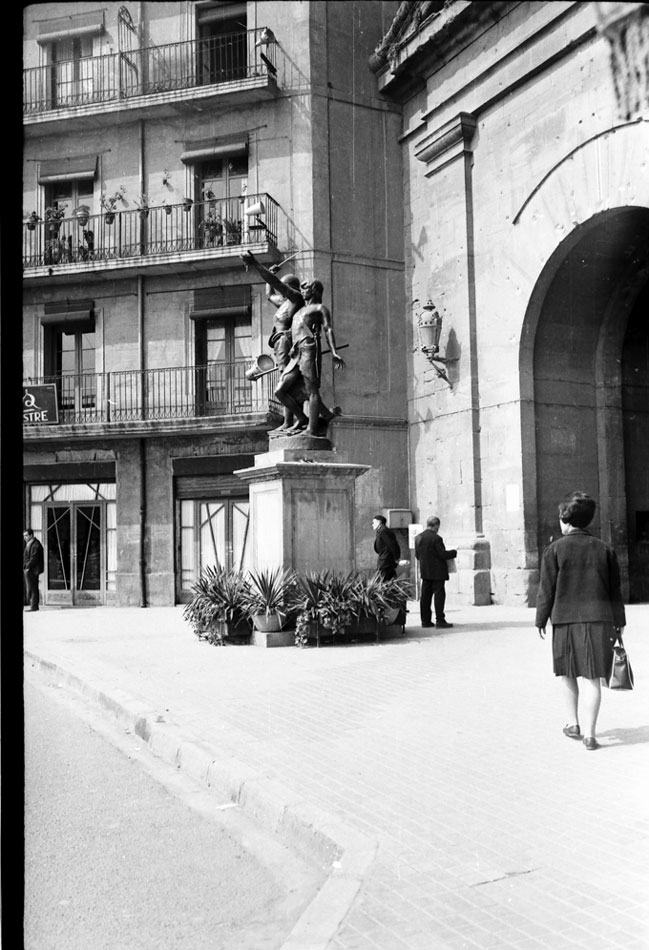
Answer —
(223, 353)
(65, 241)
(70, 364)
(222, 46)
(222, 183)
(213, 532)
(71, 71)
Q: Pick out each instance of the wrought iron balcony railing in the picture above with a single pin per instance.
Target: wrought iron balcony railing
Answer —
(176, 392)
(156, 69)
(169, 229)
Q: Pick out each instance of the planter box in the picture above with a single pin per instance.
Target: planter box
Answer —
(233, 632)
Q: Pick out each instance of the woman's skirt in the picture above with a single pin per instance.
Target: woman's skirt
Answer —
(583, 649)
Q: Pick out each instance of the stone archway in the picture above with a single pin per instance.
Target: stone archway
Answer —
(591, 383)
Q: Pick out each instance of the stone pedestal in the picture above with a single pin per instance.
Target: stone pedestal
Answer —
(471, 585)
(302, 508)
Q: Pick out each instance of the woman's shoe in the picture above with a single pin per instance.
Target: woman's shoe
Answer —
(591, 743)
(572, 732)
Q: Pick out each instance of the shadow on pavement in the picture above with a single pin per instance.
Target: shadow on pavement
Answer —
(631, 736)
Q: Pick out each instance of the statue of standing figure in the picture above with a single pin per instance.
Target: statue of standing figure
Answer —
(301, 372)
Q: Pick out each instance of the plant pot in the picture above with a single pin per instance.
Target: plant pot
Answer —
(109, 217)
(269, 623)
(391, 615)
(365, 625)
(168, 210)
(31, 227)
(143, 215)
(233, 631)
(187, 204)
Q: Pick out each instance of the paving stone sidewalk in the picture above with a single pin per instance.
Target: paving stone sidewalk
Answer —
(442, 749)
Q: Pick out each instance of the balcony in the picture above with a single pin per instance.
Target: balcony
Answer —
(160, 400)
(236, 63)
(203, 231)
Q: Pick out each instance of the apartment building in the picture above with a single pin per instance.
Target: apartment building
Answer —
(161, 140)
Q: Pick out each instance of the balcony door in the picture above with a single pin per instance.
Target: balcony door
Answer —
(71, 77)
(70, 364)
(222, 185)
(223, 352)
(222, 42)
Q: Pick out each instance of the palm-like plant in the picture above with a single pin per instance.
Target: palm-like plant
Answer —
(219, 596)
(269, 592)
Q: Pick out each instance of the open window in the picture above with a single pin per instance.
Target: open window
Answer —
(221, 29)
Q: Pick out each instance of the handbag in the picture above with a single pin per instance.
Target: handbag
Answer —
(621, 674)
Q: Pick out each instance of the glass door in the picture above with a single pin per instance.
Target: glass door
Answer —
(212, 532)
(74, 569)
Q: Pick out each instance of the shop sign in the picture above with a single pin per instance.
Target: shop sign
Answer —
(40, 406)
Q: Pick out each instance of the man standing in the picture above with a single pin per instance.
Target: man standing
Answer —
(387, 548)
(433, 569)
(33, 564)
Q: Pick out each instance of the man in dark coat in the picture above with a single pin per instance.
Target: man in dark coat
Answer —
(33, 565)
(387, 548)
(433, 568)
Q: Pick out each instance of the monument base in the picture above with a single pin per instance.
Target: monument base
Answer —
(302, 506)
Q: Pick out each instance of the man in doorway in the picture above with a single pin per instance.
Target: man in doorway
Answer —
(33, 565)
(386, 547)
(433, 560)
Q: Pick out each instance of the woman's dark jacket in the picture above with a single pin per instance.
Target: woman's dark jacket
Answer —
(580, 582)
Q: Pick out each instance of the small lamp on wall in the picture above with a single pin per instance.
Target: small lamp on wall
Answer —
(429, 328)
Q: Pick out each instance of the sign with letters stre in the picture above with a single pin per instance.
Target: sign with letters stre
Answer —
(40, 406)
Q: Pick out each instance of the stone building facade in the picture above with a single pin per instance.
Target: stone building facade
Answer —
(525, 143)
(161, 140)
(489, 158)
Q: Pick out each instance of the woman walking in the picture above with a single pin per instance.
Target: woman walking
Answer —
(580, 594)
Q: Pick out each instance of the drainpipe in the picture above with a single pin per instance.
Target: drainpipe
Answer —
(140, 321)
(142, 363)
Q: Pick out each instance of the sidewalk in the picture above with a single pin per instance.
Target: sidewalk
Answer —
(427, 772)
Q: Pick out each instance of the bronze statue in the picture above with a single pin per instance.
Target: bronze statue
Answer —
(288, 301)
(300, 378)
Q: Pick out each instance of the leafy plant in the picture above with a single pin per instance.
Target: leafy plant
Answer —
(337, 610)
(55, 213)
(269, 591)
(109, 202)
(220, 594)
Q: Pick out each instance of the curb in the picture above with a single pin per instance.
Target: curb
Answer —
(318, 836)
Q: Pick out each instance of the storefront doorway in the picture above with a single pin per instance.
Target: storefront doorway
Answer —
(76, 525)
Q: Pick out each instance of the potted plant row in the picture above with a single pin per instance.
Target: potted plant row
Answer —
(227, 604)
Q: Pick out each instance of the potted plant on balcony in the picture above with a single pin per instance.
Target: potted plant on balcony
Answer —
(32, 221)
(168, 208)
(232, 231)
(211, 228)
(187, 204)
(82, 214)
(53, 217)
(142, 203)
(109, 203)
(217, 610)
(268, 603)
